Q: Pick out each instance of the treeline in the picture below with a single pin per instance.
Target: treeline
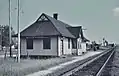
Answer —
(4, 35)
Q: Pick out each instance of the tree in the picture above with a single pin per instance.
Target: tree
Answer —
(5, 35)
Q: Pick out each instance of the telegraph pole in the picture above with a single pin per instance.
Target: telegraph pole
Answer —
(18, 32)
(10, 27)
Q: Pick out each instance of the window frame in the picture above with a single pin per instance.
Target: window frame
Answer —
(29, 43)
(47, 43)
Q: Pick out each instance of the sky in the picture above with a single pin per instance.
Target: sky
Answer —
(100, 18)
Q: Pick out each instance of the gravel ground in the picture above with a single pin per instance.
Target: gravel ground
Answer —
(9, 67)
(115, 64)
(112, 67)
(88, 70)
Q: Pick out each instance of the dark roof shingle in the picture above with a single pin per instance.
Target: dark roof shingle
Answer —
(75, 31)
(40, 29)
(52, 27)
(61, 27)
(47, 28)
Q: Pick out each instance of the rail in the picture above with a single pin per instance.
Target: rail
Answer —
(99, 72)
(70, 72)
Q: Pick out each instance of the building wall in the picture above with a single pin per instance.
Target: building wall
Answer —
(59, 47)
(56, 50)
(81, 46)
(38, 47)
(74, 51)
(23, 47)
(66, 50)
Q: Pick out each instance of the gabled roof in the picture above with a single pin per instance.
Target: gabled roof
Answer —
(61, 27)
(50, 27)
(76, 31)
(85, 40)
(40, 29)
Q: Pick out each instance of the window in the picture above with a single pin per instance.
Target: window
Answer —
(29, 43)
(68, 43)
(46, 43)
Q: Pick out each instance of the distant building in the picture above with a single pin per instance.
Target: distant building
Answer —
(105, 42)
(49, 36)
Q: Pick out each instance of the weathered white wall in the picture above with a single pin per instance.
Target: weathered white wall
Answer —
(59, 47)
(38, 47)
(74, 51)
(65, 46)
(81, 47)
(66, 49)
(23, 47)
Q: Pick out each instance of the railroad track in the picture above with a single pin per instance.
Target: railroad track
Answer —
(92, 67)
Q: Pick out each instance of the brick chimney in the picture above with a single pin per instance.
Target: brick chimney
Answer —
(55, 15)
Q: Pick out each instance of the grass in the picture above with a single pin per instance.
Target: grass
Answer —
(9, 67)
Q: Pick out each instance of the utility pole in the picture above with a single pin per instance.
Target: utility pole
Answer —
(10, 28)
(18, 32)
